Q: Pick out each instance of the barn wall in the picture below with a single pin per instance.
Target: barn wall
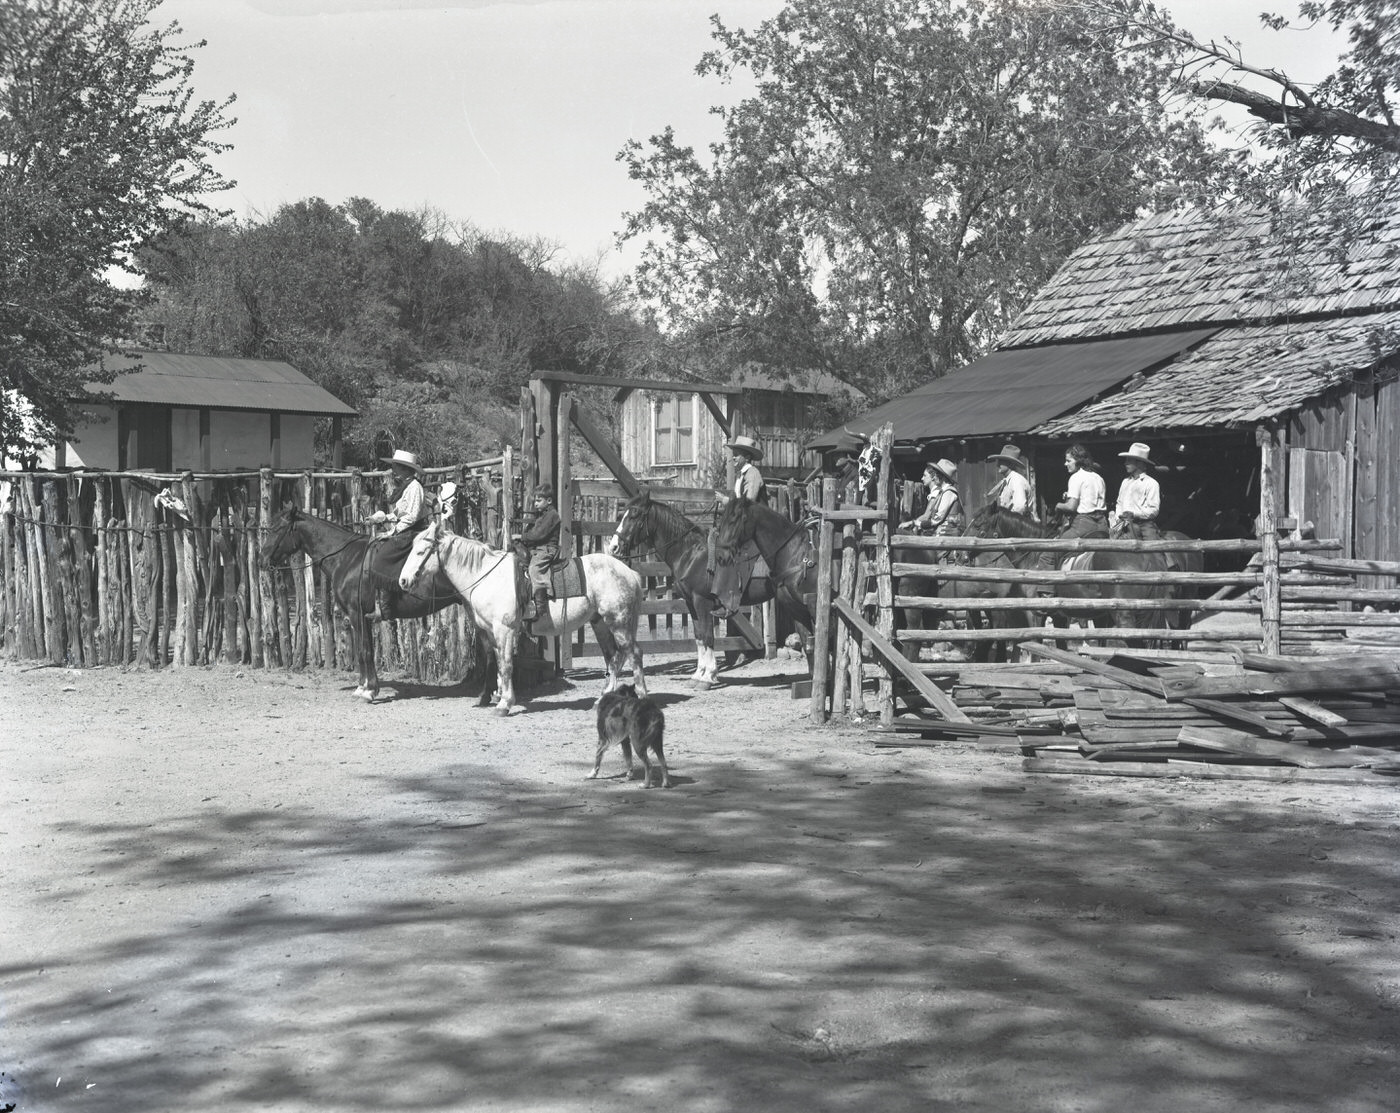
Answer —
(239, 440)
(298, 441)
(94, 441)
(1376, 533)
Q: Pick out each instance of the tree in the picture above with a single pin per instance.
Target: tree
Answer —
(1321, 142)
(905, 174)
(426, 326)
(101, 147)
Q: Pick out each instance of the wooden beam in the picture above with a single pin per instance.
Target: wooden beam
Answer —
(676, 386)
(1150, 684)
(896, 660)
(721, 418)
(599, 444)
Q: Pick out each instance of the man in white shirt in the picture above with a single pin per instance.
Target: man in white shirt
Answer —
(408, 514)
(1139, 496)
(1012, 490)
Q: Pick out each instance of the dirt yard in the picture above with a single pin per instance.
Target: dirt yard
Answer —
(230, 890)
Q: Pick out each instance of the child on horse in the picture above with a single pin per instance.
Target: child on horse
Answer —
(541, 541)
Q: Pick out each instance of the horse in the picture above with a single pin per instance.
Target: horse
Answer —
(486, 580)
(343, 556)
(965, 591)
(648, 523)
(997, 522)
(784, 546)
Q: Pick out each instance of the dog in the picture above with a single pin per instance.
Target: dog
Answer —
(638, 725)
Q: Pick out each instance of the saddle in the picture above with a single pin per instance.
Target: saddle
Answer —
(566, 577)
(732, 581)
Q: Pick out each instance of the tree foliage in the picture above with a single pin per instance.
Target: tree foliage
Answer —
(904, 175)
(102, 146)
(428, 327)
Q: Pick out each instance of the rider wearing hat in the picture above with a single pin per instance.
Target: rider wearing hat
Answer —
(408, 513)
(1139, 496)
(943, 516)
(1012, 491)
(748, 480)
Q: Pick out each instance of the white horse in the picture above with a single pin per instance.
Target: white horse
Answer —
(486, 579)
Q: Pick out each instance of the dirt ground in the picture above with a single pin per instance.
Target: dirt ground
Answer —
(229, 889)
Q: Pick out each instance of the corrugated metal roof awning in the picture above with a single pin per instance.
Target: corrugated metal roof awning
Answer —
(1013, 391)
(219, 383)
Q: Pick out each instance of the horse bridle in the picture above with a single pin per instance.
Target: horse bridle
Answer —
(465, 594)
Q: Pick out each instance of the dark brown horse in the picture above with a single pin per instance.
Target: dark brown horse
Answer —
(784, 545)
(343, 556)
(962, 595)
(647, 523)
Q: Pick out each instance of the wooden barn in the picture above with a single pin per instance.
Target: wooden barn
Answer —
(673, 435)
(201, 413)
(1206, 335)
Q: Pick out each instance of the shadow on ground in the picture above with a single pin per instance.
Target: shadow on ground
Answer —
(775, 937)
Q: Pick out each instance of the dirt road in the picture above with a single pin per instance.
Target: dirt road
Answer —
(231, 890)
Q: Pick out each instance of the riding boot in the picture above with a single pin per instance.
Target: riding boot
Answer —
(383, 605)
(539, 605)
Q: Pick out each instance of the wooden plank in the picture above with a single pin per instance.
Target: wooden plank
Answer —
(1237, 742)
(1236, 714)
(1378, 676)
(1313, 712)
(894, 659)
(599, 443)
(1148, 684)
(1203, 771)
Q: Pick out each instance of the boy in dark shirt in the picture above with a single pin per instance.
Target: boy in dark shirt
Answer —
(542, 541)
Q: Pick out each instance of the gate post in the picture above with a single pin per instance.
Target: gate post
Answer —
(821, 619)
(1271, 596)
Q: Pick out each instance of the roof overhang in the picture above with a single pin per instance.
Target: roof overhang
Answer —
(1015, 390)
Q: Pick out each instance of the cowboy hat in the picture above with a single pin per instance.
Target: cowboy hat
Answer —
(1010, 455)
(849, 442)
(945, 467)
(1137, 451)
(404, 457)
(747, 445)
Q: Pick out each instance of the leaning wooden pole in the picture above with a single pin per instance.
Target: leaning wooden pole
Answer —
(821, 616)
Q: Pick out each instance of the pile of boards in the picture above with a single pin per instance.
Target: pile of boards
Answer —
(1236, 715)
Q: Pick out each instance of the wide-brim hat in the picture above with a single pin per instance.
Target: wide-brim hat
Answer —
(945, 467)
(850, 442)
(746, 445)
(1010, 454)
(1139, 452)
(404, 457)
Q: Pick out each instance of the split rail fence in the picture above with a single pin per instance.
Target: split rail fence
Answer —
(1291, 596)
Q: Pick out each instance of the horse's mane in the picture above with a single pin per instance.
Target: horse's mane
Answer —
(667, 516)
(997, 521)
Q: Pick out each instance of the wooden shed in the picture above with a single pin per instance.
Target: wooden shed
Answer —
(672, 436)
(1205, 335)
(174, 412)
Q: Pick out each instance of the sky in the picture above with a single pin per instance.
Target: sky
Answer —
(508, 114)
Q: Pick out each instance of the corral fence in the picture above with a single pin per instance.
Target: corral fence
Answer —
(1292, 595)
(138, 568)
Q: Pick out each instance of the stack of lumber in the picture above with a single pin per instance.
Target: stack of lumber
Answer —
(1234, 715)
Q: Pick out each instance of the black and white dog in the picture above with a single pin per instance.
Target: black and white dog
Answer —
(637, 724)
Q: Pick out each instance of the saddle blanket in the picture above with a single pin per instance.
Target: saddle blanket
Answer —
(566, 579)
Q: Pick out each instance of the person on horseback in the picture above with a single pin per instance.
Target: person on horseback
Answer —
(1139, 496)
(748, 480)
(943, 516)
(1012, 491)
(843, 464)
(1084, 503)
(541, 541)
(409, 511)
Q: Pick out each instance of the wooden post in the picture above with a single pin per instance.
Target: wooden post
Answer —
(821, 618)
(1271, 596)
(846, 586)
(884, 580)
(265, 598)
(563, 647)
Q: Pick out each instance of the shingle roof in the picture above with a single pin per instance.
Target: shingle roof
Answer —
(1182, 268)
(216, 382)
(1240, 375)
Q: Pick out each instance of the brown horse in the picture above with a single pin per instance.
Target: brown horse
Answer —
(343, 555)
(965, 592)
